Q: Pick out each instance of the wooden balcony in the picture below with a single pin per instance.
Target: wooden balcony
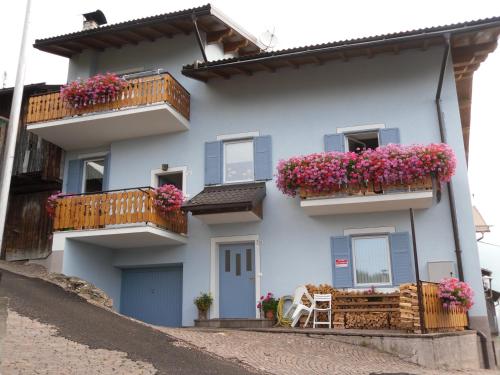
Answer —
(370, 199)
(151, 105)
(119, 219)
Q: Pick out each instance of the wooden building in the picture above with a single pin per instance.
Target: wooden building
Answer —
(37, 173)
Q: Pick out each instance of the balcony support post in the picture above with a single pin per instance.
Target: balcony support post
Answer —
(198, 39)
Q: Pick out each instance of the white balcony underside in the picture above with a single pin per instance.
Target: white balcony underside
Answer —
(228, 217)
(103, 128)
(365, 204)
(127, 237)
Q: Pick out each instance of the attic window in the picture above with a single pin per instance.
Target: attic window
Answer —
(356, 142)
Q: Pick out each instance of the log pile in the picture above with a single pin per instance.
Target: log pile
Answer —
(359, 310)
(408, 306)
(367, 320)
(368, 310)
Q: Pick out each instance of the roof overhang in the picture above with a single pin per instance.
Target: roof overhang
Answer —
(216, 25)
(228, 203)
(470, 42)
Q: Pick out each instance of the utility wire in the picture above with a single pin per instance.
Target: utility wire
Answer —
(489, 243)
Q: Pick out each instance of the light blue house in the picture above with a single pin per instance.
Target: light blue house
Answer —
(209, 112)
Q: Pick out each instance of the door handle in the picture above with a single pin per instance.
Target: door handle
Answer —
(251, 278)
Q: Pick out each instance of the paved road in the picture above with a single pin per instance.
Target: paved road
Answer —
(81, 322)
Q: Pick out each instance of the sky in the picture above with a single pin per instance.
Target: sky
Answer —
(295, 23)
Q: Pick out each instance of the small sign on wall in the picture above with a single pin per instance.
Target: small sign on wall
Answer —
(341, 263)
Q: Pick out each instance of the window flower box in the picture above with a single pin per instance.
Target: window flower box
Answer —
(101, 88)
(385, 169)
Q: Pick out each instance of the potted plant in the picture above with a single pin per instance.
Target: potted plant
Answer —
(455, 294)
(167, 198)
(268, 304)
(203, 303)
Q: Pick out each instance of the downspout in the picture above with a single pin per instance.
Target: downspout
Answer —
(451, 196)
(442, 133)
(417, 273)
(198, 38)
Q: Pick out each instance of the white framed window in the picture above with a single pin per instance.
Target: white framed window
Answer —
(238, 163)
(176, 176)
(371, 260)
(93, 175)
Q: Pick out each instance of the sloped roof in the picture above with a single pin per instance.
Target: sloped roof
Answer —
(214, 23)
(470, 43)
(320, 53)
(227, 197)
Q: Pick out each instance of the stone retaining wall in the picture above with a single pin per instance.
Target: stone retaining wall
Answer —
(451, 351)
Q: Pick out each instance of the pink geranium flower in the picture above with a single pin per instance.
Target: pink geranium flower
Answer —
(455, 294)
(168, 198)
(101, 88)
(51, 204)
(393, 164)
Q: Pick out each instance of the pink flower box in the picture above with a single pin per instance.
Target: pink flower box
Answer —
(370, 171)
(101, 88)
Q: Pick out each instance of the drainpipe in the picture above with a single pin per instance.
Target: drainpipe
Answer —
(417, 273)
(442, 133)
(451, 196)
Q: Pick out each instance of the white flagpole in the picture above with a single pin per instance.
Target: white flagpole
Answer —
(12, 128)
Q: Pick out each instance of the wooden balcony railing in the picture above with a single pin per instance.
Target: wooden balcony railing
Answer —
(139, 92)
(436, 317)
(371, 189)
(95, 211)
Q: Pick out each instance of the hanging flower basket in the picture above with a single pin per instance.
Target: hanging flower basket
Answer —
(392, 167)
(455, 294)
(101, 88)
(167, 198)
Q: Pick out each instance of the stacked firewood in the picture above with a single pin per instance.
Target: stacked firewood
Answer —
(366, 304)
(408, 306)
(367, 320)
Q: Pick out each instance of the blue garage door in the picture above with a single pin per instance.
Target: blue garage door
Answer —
(153, 295)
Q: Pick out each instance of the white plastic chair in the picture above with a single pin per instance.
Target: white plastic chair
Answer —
(297, 309)
(321, 299)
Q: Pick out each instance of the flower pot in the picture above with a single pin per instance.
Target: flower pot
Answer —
(202, 314)
(270, 314)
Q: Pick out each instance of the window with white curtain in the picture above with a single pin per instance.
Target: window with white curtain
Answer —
(238, 161)
(372, 264)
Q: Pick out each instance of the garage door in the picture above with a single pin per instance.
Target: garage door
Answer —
(153, 295)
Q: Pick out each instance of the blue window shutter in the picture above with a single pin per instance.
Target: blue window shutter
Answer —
(334, 142)
(213, 163)
(74, 177)
(388, 135)
(263, 159)
(401, 254)
(341, 250)
(105, 180)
